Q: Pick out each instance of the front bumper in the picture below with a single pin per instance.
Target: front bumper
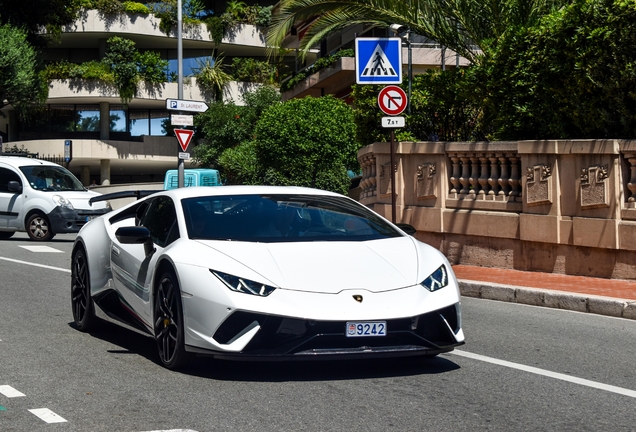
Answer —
(63, 220)
(285, 338)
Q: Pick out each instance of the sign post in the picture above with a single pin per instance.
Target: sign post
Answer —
(392, 101)
(183, 135)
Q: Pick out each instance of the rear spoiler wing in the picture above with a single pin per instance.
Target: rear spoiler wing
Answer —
(123, 194)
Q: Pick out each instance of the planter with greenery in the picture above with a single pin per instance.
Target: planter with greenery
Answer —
(122, 66)
(320, 64)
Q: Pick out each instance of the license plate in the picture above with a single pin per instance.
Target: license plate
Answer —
(366, 328)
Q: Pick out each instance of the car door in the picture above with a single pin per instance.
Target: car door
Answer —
(132, 267)
(10, 202)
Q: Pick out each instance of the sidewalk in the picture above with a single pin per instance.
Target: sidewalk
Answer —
(612, 297)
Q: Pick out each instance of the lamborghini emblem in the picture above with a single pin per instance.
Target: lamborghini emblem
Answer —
(357, 298)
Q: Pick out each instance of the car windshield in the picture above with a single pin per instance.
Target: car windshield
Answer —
(282, 218)
(51, 178)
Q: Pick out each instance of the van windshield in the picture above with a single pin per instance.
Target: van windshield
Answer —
(51, 178)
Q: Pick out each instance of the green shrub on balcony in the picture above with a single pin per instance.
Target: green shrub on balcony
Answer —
(247, 69)
(135, 8)
(321, 63)
(92, 70)
(122, 66)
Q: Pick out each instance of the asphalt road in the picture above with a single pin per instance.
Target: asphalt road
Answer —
(523, 368)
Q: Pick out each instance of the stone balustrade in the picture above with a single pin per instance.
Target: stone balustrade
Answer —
(553, 206)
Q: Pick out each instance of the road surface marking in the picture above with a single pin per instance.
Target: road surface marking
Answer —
(41, 249)
(47, 415)
(10, 392)
(174, 430)
(36, 265)
(547, 373)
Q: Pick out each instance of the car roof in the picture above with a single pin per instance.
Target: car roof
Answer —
(18, 161)
(196, 191)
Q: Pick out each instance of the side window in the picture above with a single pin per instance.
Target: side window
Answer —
(161, 221)
(6, 175)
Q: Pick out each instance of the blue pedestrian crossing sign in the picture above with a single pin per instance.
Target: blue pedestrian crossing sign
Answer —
(378, 60)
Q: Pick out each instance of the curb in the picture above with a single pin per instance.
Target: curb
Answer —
(608, 306)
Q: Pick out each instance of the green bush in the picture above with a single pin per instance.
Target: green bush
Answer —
(92, 70)
(247, 69)
(307, 142)
(132, 7)
(216, 28)
(151, 67)
(224, 126)
(108, 7)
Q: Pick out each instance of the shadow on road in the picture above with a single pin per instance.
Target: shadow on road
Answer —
(276, 371)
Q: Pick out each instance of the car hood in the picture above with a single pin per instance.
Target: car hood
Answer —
(329, 267)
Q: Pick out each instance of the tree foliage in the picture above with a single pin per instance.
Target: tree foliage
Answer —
(226, 125)
(465, 26)
(20, 84)
(34, 15)
(573, 75)
(445, 106)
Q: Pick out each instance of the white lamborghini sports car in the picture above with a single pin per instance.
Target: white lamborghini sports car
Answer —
(260, 272)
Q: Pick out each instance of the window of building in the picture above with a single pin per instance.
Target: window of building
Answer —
(138, 123)
(87, 118)
(117, 117)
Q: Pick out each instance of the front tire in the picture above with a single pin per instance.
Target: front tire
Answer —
(81, 300)
(39, 228)
(169, 322)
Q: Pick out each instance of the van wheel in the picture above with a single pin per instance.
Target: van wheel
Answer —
(6, 234)
(38, 228)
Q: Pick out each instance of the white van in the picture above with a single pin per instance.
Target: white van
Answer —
(43, 199)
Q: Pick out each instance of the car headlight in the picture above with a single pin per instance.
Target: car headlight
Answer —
(62, 202)
(437, 280)
(244, 286)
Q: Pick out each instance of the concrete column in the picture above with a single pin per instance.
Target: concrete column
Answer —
(13, 125)
(86, 175)
(102, 48)
(104, 165)
(104, 121)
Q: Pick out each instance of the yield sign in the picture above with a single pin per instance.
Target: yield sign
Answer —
(184, 136)
(392, 100)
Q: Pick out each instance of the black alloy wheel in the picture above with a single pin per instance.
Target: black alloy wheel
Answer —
(81, 301)
(169, 322)
(38, 227)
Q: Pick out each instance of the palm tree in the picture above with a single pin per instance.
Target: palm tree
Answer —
(465, 26)
(211, 75)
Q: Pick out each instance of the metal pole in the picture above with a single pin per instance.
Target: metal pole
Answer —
(408, 42)
(180, 166)
(393, 175)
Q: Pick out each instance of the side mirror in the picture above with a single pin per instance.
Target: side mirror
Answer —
(135, 235)
(14, 186)
(408, 229)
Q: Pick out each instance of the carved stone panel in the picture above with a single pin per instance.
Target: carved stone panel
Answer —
(426, 181)
(385, 179)
(594, 188)
(539, 185)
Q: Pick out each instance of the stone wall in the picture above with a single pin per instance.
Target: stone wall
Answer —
(553, 206)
